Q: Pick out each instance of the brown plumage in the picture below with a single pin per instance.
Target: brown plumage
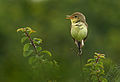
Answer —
(78, 20)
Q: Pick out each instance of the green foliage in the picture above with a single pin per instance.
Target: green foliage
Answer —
(37, 57)
(23, 39)
(41, 61)
(48, 16)
(96, 68)
(113, 73)
(46, 52)
(32, 60)
(35, 42)
(26, 47)
(27, 53)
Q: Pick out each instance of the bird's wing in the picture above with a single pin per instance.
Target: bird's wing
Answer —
(86, 24)
(85, 37)
(87, 32)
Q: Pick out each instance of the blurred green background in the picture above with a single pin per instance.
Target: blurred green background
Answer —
(47, 17)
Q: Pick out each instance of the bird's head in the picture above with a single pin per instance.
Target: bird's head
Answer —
(76, 17)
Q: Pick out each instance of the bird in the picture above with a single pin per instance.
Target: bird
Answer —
(79, 29)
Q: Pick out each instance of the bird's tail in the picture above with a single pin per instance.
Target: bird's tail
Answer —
(80, 45)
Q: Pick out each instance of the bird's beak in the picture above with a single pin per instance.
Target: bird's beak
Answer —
(68, 17)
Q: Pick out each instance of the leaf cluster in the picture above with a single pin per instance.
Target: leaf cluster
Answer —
(96, 68)
(33, 50)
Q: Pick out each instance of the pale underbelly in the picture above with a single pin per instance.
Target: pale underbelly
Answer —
(79, 33)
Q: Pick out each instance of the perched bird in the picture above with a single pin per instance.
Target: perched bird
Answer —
(79, 29)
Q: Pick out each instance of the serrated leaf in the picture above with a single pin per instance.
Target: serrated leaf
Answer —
(26, 47)
(32, 59)
(23, 39)
(38, 48)
(27, 53)
(46, 52)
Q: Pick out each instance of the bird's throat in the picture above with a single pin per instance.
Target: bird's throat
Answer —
(78, 24)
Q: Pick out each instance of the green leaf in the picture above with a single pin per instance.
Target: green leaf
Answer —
(28, 28)
(101, 73)
(41, 57)
(38, 48)
(89, 64)
(55, 62)
(102, 57)
(103, 80)
(101, 63)
(23, 39)
(46, 52)
(101, 66)
(93, 73)
(93, 78)
(32, 59)
(21, 29)
(95, 57)
(89, 60)
(37, 40)
(26, 47)
(27, 53)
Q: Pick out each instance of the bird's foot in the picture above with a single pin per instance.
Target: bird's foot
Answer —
(79, 53)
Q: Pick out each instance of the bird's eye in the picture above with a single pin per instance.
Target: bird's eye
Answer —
(75, 16)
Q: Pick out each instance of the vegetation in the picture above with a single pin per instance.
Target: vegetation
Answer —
(96, 68)
(47, 18)
(37, 57)
(41, 58)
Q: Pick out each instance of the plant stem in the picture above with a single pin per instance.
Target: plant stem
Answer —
(31, 42)
(97, 73)
(97, 59)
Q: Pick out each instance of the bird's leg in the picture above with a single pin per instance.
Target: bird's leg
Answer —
(79, 45)
(82, 44)
(79, 48)
(76, 42)
(80, 52)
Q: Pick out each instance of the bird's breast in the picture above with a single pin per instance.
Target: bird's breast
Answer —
(79, 32)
